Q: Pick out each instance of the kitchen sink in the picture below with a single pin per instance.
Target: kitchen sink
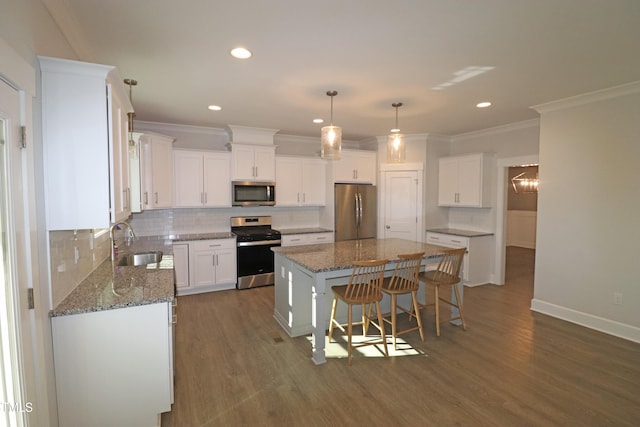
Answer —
(141, 258)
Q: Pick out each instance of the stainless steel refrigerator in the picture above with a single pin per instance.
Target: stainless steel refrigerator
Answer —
(356, 211)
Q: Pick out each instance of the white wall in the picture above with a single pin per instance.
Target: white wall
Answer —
(589, 210)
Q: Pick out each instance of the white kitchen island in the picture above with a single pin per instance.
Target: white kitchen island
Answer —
(305, 274)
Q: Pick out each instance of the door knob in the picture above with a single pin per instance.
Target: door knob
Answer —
(388, 227)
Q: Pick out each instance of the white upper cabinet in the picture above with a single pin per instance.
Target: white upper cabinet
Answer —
(463, 181)
(84, 126)
(253, 162)
(202, 179)
(300, 181)
(119, 135)
(136, 172)
(156, 171)
(356, 166)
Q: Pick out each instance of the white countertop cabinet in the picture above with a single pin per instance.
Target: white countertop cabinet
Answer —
(355, 166)
(181, 265)
(300, 181)
(253, 162)
(114, 367)
(463, 181)
(156, 171)
(85, 156)
(212, 266)
(202, 179)
(477, 265)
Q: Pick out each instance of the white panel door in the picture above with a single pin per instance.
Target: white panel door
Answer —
(217, 180)
(189, 190)
(448, 181)
(288, 183)
(314, 186)
(470, 182)
(401, 208)
(162, 172)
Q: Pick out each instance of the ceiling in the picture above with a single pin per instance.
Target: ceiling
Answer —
(438, 57)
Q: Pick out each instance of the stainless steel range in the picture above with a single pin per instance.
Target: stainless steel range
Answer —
(255, 238)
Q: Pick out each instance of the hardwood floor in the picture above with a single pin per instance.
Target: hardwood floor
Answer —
(512, 367)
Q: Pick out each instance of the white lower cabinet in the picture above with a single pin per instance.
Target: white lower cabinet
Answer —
(114, 367)
(307, 239)
(181, 265)
(211, 266)
(476, 266)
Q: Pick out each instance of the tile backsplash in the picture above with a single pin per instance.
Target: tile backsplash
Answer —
(74, 255)
(184, 221)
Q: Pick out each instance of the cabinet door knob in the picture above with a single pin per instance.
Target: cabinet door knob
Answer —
(388, 227)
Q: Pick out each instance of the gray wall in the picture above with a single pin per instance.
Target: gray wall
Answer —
(588, 211)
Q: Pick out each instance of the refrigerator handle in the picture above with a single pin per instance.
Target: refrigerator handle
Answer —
(359, 209)
(356, 209)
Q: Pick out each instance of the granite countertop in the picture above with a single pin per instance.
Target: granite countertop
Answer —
(200, 236)
(459, 232)
(287, 231)
(340, 255)
(110, 287)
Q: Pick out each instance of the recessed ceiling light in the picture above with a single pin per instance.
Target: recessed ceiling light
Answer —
(484, 104)
(318, 121)
(241, 53)
(214, 107)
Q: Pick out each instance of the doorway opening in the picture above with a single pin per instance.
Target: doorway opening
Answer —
(503, 183)
(521, 220)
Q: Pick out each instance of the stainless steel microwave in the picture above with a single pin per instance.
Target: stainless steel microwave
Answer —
(253, 193)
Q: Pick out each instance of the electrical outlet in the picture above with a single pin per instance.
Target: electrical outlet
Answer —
(76, 254)
(617, 298)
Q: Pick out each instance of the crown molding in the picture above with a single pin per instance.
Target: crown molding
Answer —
(526, 124)
(588, 98)
(171, 127)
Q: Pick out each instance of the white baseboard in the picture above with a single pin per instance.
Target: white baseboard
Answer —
(607, 326)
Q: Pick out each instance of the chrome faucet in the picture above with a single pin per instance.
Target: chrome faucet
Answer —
(114, 227)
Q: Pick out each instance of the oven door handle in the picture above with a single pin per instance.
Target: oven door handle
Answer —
(260, 243)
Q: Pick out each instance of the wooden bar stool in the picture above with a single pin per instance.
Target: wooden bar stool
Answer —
(446, 275)
(404, 281)
(364, 289)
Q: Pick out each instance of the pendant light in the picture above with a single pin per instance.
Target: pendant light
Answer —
(331, 136)
(395, 142)
(131, 115)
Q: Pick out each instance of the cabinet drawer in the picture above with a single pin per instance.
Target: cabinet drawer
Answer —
(316, 238)
(447, 240)
(307, 239)
(294, 239)
(197, 245)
